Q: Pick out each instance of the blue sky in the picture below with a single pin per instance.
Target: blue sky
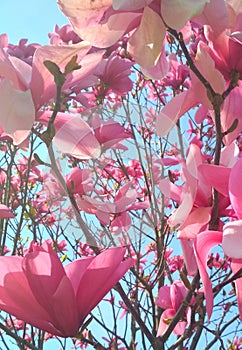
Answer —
(30, 19)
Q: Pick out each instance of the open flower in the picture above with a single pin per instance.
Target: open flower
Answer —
(230, 238)
(39, 290)
(103, 23)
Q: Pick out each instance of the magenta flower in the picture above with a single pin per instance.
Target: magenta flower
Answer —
(114, 72)
(80, 181)
(39, 290)
(170, 298)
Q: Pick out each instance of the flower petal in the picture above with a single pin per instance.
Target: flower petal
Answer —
(204, 242)
(176, 13)
(130, 5)
(17, 112)
(17, 298)
(235, 188)
(145, 44)
(232, 239)
(172, 111)
(101, 275)
(236, 266)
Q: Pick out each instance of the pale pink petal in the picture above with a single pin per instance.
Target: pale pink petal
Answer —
(82, 14)
(177, 13)
(75, 137)
(108, 133)
(145, 44)
(235, 188)
(189, 193)
(204, 242)
(139, 205)
(201, 114)
(165, 319)
(170, 190)
(172, 111)
(17, 112)
(3, 40)
(159, 70)
(130, 5)
(180, 214)
(229, 155)
(107, 34)
(206, 66)
(180, 327)
(232, 239)
(80, 181)
(91, 205)
(193, 160)
(97, 22)
(215, 15)
(8, 71)
(23, 70)
(86, 76)
(101, 275)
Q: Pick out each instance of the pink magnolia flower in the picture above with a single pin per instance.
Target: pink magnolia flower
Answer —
(114, 72)
(194, 211)
(230, 238)
(80, 181)
(223, 28)
(218, 61)
(124, 201)
(170, 298)
(105, 22)
(108, 132)
(63, 35)
(196, 94)
(39, 290)
(42, 83)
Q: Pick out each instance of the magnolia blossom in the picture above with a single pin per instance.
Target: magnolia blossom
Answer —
(39, 290)
(103, 23)
(80, 181)
(124, 201)
(230, 238)
(170, 298)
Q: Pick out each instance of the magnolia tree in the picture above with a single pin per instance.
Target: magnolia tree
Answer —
(121, 197)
